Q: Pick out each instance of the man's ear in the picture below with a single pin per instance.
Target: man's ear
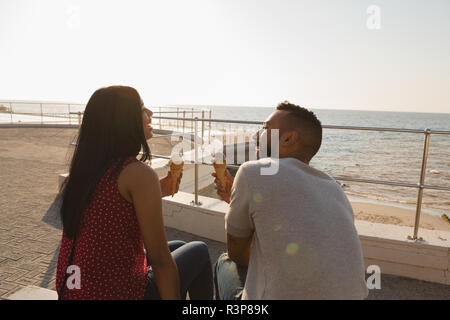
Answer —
(289, 138)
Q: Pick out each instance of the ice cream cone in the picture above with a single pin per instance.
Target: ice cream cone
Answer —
(175, 171)
(221, 168)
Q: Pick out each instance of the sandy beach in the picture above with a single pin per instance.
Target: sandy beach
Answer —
(380, 213)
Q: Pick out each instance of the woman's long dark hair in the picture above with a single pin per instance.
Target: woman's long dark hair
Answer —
(112, 130)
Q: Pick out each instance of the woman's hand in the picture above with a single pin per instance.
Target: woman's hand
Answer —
(225, 194)
(166, 184)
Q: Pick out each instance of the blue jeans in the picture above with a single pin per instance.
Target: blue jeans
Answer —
(229, 278)
(194, 270)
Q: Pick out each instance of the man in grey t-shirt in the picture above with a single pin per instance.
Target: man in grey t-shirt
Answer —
(290, 232)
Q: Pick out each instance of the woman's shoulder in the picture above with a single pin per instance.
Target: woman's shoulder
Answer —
(137, 176)
(137, 171)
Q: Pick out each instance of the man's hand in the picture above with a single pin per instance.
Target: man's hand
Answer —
(225, 194)
(166, 185)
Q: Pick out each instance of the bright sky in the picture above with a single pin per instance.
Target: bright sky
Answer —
(319, 54)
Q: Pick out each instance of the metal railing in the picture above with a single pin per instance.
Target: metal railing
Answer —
(178, 112)
(420, 185)
(41, 116)
(66, 114)
(184, 111)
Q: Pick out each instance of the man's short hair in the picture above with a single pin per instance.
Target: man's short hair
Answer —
(310, 128)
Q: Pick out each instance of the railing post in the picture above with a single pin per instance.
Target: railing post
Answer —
(42, 119)
(196, 202)
(79, 119)
(421, 182)
(203, 125)
(209, 132)
(160, 118)
(11, 112)
(184, 116)
(178, 120)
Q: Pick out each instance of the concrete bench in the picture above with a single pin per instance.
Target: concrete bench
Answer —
(33, 293)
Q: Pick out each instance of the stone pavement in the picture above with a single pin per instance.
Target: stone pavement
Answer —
(30, 161)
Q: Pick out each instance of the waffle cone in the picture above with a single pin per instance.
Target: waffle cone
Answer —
(220, 169)
(175, 171)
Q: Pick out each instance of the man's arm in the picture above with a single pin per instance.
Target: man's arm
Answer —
(239, 249)
(238, 220)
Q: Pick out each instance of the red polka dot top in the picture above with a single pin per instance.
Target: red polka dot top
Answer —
(109, 248)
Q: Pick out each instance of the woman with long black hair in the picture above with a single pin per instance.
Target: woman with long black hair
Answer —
(112, 208)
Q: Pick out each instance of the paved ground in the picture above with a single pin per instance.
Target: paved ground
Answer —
(30, 161)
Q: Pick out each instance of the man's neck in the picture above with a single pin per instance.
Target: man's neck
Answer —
(295, 156)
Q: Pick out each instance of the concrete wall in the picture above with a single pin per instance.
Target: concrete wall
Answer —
(206, 220)
(388, 247)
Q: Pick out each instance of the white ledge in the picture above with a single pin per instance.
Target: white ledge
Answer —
(33, 293)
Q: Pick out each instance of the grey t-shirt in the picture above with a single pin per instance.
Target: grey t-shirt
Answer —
(305, 244)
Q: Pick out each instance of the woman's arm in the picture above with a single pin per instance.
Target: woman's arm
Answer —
(166, 184)
(143, 186)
